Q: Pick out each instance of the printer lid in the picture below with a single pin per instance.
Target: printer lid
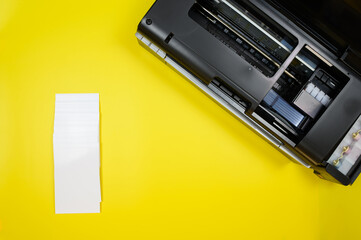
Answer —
(335, 23)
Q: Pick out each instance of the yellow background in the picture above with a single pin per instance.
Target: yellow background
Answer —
(174, 164)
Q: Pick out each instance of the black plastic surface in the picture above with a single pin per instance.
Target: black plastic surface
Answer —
(332, 21)
(203, 54)
(208, 58)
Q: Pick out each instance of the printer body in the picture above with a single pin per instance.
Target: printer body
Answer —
(290, 70)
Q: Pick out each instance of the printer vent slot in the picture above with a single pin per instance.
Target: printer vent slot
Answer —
(168, 38)
(220, 87)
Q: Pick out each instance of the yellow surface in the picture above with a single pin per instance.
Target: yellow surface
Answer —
(174, 164)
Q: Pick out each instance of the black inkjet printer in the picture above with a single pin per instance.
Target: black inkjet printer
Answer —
(288, 69)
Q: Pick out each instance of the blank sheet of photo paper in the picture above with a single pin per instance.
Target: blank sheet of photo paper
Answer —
(76, 150)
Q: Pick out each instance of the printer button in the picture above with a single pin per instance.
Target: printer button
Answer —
(324, 78)
(319, 75)
(238, 99)
(331, 84)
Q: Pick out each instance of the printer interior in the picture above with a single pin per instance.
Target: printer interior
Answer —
(255, 37)
(305, 89)
(302, 93)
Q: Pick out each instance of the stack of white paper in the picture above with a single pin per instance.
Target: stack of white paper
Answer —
(77, 153)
